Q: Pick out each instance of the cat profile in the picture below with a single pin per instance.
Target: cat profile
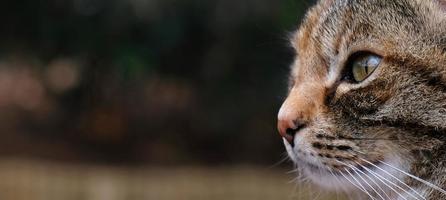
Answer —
(366, 108)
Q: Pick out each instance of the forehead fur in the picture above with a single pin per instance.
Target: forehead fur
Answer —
(332, 22)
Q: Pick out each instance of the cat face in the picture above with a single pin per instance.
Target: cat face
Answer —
(367, 97)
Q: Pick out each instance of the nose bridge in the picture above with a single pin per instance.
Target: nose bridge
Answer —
(303, 102)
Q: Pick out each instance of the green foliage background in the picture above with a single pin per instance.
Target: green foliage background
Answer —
(159, 81)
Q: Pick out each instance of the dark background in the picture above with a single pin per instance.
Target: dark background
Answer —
(146, 99)
(157, 82)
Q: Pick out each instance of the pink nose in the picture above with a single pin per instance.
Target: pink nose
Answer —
(289, 128)
(285, 128)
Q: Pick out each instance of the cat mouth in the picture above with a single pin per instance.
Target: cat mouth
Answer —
(331, 164)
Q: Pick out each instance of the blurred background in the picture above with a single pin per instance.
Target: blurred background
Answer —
(145, 99)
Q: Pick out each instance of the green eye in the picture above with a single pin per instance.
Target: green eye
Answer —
(363, 65)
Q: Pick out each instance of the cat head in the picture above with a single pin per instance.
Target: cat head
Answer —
(367, 94)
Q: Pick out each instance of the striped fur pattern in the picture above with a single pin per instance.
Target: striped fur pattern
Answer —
(384, 137)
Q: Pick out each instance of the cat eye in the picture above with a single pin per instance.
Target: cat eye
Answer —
(361, 66)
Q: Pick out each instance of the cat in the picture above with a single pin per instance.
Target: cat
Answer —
(366, 106)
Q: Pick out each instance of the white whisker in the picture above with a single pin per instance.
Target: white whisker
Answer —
(284, 159)
(293, 171)
(385, 193)
(337, 180)
(417, 178)
(413, 190)
(384, 180)
(359, 183)
(351, 181)
(357, 170)
(364, 190)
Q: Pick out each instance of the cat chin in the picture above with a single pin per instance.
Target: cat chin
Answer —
(355, 181)
(377, 174)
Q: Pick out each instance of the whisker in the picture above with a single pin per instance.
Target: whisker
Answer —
(404, 184)
(284, 159)
(337, 180)
(413, 190)
(298, 179)
(364, 190)
(357, 170)
(299, 175)
(351, 181)
(367, 183)
(293, 171)
(417, 178)
(385, 193)
(384, 180)
(359, 183)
